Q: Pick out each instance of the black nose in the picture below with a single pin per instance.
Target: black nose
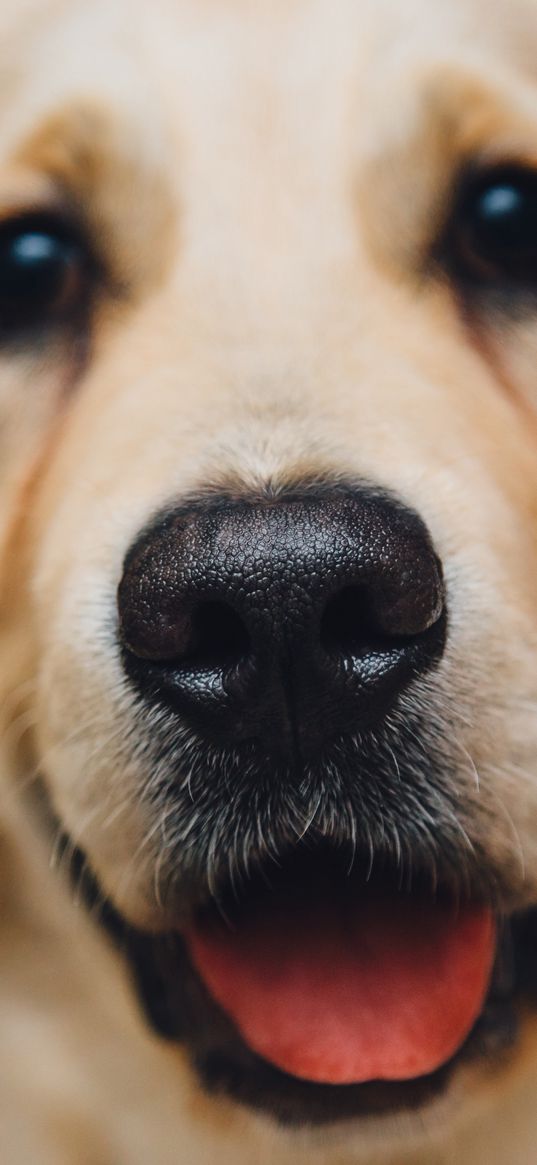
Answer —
(284, 621)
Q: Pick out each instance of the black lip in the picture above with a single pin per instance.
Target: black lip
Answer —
(180, 1009)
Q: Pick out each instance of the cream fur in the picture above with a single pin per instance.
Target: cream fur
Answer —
(265, 180)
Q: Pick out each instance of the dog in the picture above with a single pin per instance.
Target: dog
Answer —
(268, 550)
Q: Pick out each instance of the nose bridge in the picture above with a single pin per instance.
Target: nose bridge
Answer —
(271, 288)
(265, 181)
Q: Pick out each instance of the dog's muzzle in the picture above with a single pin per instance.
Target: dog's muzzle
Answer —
(286, 621)
(282, 639)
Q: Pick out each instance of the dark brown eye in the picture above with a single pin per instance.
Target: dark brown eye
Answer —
(44, 273)
(493, 236)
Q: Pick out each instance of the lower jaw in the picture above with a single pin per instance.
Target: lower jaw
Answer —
(232, 1070)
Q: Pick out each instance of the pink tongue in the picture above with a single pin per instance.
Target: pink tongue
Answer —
(383, 989)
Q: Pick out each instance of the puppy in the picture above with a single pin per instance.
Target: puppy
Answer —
(268, 281)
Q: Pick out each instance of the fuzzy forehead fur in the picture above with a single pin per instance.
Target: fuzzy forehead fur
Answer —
(265, 185)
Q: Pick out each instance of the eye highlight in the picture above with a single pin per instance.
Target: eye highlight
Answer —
(45, 272)
(493, 232)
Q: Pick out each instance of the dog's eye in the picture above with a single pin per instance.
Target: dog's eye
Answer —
(494, 231)
(44, 271)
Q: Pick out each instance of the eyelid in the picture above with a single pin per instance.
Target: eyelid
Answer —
(24, 191)
(28, 196)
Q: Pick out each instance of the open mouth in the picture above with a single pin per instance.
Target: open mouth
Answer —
(319, 994)
(341, 979)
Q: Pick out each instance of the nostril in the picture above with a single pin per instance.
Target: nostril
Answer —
(362, 618)
(218, 636)
(348, 623)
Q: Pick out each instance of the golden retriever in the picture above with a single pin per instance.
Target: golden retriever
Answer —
(268, 549)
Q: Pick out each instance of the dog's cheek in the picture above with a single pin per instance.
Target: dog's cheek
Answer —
(509, 347)
(30, 392)
(84, 741)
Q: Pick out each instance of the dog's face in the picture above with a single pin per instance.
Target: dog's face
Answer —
(268, 307)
